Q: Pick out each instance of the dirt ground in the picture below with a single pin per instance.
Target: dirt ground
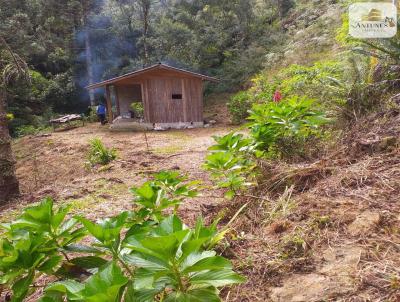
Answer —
(331, 232)
(55, 165)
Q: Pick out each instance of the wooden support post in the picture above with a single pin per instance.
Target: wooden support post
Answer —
(117, 100)
(109, 105)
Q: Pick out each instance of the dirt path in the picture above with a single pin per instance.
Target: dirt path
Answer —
(54, 166)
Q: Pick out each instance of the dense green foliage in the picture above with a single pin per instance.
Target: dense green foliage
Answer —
(360, 80)
(139, 255)
(100, 154)
(286, 126)
(71, 43)
(287, 129)
(137, 108)
(239, 106)
(231, 163)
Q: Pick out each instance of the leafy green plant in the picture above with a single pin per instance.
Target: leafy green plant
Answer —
(140, 255)
(168, 189)
(234, 142)
(104, 286)
(30, 130)
(298, 80)
(175, 266)
(281, 128)
(231, 163)
(35, 244)
(239, 105)
(100, 154)
(285, 126)
(93, 117)
(137, 107)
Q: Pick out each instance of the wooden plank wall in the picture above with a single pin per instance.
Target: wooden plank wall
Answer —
(161, 108)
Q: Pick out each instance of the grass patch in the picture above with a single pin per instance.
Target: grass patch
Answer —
(82, 204)
(282, 207)
(171, 149)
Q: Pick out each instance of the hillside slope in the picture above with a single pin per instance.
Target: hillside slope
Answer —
(330, 229)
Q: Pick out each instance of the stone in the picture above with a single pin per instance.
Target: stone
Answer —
(364, 223)
(301, 288)
(333, 278)
(340, 261)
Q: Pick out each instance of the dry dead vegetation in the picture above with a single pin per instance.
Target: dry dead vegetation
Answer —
(330, 230)
(322, 231)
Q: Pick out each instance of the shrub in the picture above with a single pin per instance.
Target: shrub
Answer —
(30, 130)
(231, 163)
(137, 107)
(297, 80)
(276, 129)
(129, 257)
(239, 105)
(99, 154)
(93, 118)
(284, 127)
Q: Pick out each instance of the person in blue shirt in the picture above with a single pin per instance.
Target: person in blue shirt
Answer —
(101, 113)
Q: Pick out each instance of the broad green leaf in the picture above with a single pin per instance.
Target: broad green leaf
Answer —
(210, 263)
(165, 247)
(191, 246)
(193, 258)
(93, 228)
(139, 295)
(216, 278)
(170, 225)
(145, 191)
(58, 218)
(49, 265)
(52, 297)
(26, 223)
(144, 279)
(66, 286)
(67, 225)
(209, 294)
(42, 212)
(79, 248)
(105, 285)
(146, 261)
(89, 262)
(21, 287)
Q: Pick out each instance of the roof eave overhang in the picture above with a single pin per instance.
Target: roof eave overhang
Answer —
(154, 67)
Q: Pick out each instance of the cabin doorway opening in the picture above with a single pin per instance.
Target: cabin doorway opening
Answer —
(128, 95)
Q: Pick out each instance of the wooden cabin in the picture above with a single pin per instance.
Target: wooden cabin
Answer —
(171, 97)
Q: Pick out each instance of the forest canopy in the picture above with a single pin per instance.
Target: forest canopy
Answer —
(70, 44)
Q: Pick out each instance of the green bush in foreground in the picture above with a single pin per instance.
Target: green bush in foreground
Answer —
(141, 255)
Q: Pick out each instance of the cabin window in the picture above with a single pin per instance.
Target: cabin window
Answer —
(177, 96)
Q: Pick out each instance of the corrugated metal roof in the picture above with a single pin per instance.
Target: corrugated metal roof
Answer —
(151, 68)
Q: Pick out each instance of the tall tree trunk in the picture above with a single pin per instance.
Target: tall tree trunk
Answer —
(9, 186)
(145, 6)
